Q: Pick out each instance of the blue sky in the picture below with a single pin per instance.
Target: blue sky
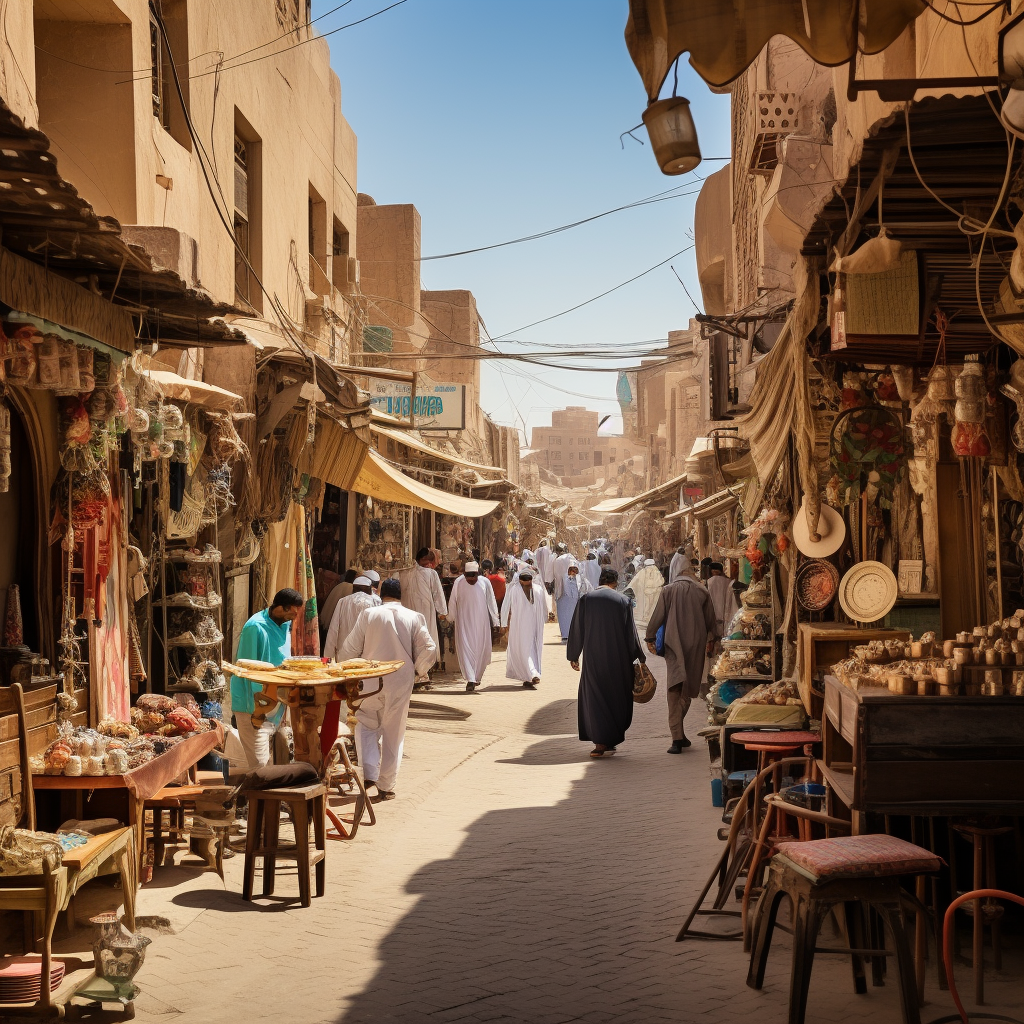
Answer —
(499, 119)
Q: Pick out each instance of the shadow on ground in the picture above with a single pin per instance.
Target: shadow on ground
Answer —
(568, 912)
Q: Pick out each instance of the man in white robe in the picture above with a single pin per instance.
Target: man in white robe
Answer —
(545, 560)
(592, 569)
(523, 615)
(646, 586)
(422, 591)
(346, 612)
(388, 632)
(563, 560)
(723, 597)
(474, 611)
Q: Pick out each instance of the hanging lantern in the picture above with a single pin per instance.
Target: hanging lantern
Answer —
(673, 135)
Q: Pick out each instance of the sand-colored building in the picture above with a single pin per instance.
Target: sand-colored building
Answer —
(572, 450)
(269, 158)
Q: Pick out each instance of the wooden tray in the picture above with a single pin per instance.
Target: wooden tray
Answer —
(291, 677)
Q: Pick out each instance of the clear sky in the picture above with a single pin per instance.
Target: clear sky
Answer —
(500, 118)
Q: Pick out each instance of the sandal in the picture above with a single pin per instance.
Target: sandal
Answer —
(600, 751)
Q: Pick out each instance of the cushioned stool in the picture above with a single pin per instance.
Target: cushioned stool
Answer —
(855, 872)
(307, 798)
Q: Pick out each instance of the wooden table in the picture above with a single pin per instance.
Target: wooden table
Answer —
(137, 786)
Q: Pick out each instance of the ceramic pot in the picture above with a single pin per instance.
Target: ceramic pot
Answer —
(118, 953)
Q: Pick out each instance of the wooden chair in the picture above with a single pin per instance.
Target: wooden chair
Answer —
(43, 897)
(747, 816)
(851, 872)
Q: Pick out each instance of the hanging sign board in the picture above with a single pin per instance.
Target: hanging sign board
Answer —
(438, 406)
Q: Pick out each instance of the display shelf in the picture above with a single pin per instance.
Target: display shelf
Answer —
(207, 558)
(730, 645)
(188, 640)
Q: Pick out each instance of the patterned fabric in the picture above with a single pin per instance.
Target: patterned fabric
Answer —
(858, 857)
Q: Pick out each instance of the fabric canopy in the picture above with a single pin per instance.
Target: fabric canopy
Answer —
(197, 392)
(338, 455)
(723, 37)
(380, 480)
(615, 505)
(424, 449)
(33, 289)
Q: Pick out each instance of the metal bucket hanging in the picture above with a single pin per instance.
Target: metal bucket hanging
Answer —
(673, 135)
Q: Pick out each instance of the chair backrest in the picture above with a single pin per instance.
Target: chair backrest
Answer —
(17, 803)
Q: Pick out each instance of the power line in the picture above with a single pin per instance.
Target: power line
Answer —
(587, 302)
(148, 70)
(277, 53)
(658, 197)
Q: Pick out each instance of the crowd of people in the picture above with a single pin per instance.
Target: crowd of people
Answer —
(684, 610)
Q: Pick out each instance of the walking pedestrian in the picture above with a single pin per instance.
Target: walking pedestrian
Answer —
(723, 597)
(388, 632)
(545, 560)
(340, 590)
(496, 578)
(523, 615)
(604, 635)
(592, 570)
(346, 612)
(265, 637)
(422, 591)
(679, 566)
(474, 611)
(687, 612)
(646, 586)
(568, 591)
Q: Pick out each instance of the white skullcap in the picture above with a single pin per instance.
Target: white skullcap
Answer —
(362, 581)
(472, 567)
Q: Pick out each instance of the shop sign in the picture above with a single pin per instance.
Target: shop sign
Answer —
(438, 406)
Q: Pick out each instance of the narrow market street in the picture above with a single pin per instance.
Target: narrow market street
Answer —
(512, 880)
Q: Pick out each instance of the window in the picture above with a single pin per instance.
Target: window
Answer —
(317, 243)
(598, 458)
(342, 272)
(167, 55)
(247, 215)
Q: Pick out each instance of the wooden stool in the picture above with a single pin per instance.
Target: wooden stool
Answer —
(306, 802)
(981, 833)
(174, 800)
(853, 871)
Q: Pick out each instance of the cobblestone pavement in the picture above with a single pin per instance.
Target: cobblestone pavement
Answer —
(514, 879)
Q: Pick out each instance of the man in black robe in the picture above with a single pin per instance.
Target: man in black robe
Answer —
(603, 632)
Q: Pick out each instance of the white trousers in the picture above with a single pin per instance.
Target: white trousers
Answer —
(257, 743)
(380, 731)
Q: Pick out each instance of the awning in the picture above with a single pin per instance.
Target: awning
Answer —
(338, 454)
(379, 480)
(723, 37)
(29, 288)
(198, 392)
(662, 491)
(723, 501)
(424, 449)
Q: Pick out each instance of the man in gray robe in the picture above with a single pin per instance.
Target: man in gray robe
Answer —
(687, 612)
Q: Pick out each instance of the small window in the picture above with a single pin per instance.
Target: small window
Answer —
(167, 55)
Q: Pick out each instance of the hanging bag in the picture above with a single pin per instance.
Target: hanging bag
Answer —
(644, 684)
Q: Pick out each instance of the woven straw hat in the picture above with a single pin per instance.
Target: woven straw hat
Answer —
(831, 532)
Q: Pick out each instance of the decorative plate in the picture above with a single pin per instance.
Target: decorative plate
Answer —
(817, 581)
(868, 591)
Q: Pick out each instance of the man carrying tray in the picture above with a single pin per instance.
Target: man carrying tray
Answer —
(266, 638)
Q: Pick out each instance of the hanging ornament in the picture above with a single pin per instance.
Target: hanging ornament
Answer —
(968, 436)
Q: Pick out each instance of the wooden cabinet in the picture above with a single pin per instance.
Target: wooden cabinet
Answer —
(821, 645)
(936, 756)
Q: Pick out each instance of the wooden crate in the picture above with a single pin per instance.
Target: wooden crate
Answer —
(822, 644)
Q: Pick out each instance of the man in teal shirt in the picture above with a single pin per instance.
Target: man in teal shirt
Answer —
(267, 636)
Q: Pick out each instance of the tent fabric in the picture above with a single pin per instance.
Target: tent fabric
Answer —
(33, 289)
(382, 481)
(338, 455)
(723, 37)
(197, 392)
(419, 446)
(780, 400)
(615, 505)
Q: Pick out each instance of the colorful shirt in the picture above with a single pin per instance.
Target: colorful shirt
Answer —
(261, 639)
